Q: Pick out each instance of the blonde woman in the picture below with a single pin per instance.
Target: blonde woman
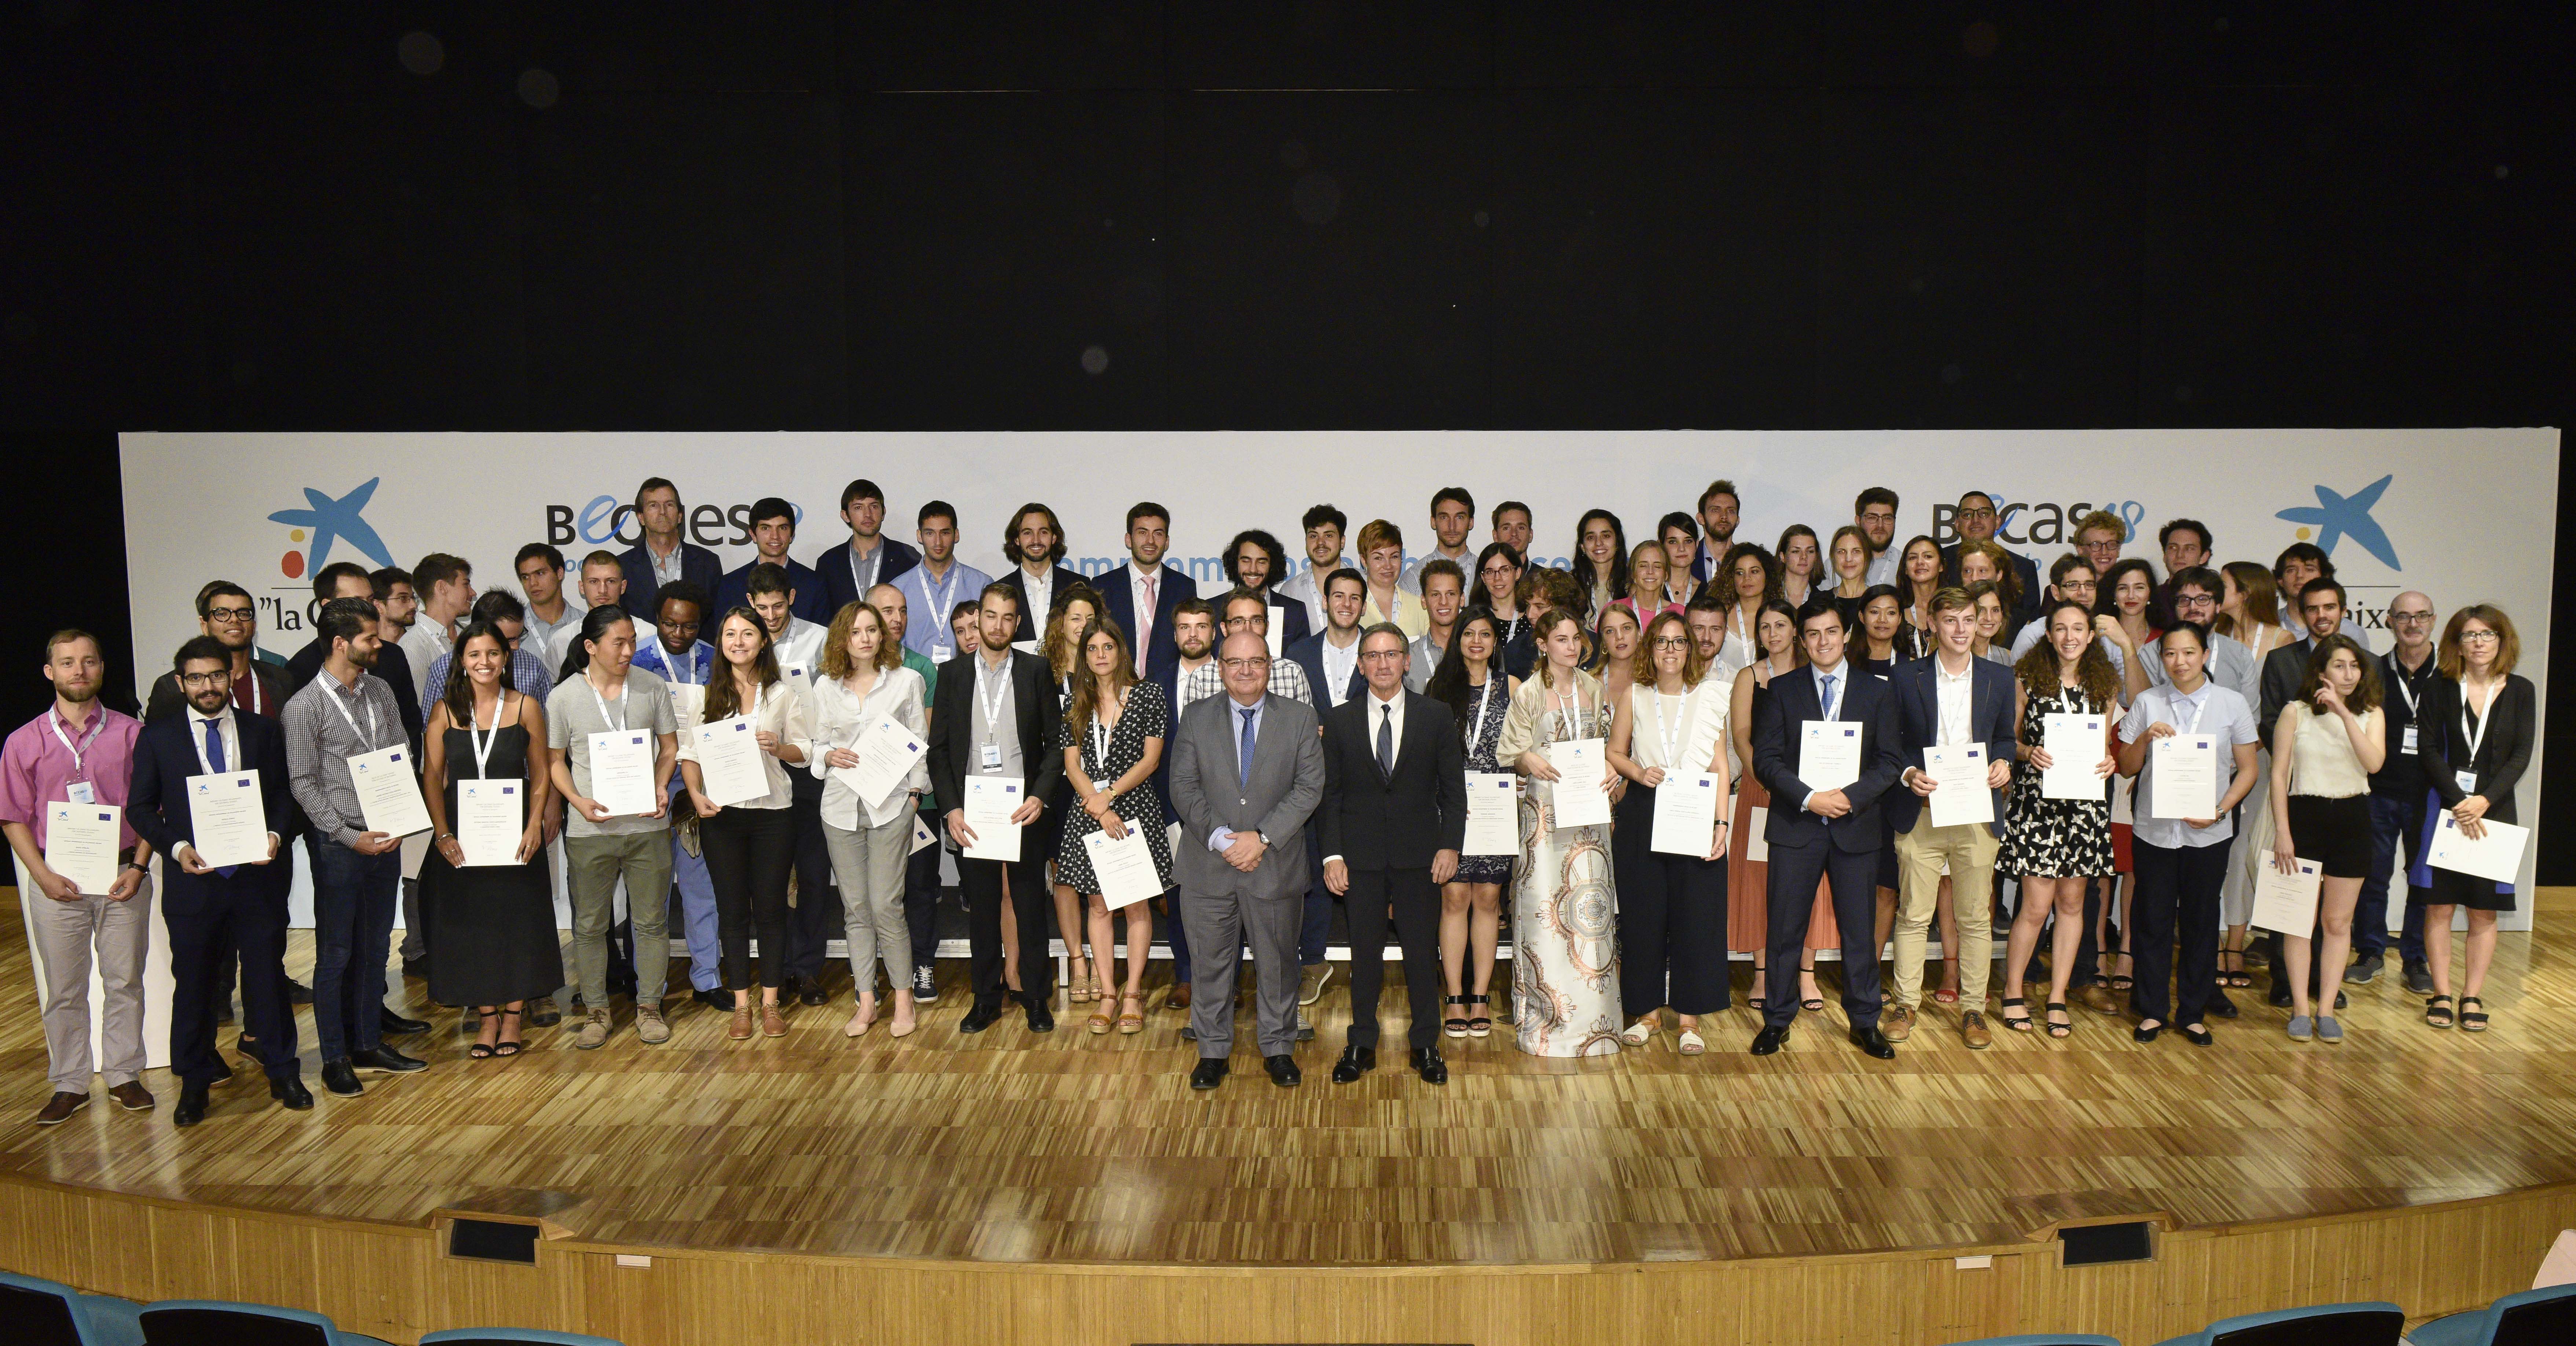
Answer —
(1649, 589)
(864, 682)
(1668, 730)
(1565, 970)
(2480, 718)
(1849, 554)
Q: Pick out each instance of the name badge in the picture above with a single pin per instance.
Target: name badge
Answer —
(2468, 781)
(796, 671)
(992, 755)
(80, 792)
(2406, 743)
(940, 654)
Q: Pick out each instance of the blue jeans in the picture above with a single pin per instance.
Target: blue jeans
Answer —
(2393, 822)
(695, 916)
(354, 897)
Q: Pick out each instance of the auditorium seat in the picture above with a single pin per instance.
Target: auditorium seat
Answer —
(2045, 1339)
(511, 1336)
(214, 1322)
(2361, 1324)
(2545, 1317)
(43, 1313)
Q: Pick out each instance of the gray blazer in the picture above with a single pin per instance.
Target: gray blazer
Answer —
(1287, 782)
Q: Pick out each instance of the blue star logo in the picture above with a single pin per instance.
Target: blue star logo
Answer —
(332, 520)
(2338, 516)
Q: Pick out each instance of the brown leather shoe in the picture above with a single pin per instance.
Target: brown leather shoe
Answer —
(131, 1096)
(1973, 1031)
(1897, 1023)
(740, 1029)
(2097, 998)
(772, 1023)
(60, 1108)
(1178, 999)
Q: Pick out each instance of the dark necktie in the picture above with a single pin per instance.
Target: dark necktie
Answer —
(215, 763)
(1244, 759)
(1386, 740)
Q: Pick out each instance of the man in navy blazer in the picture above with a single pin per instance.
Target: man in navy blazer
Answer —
(1344, 592)
(1826, 833)
(657, 506)
(860, 562)
(1034, 542)
(1953, 701)
(773, 531)
(1146, 580)
(210, 912)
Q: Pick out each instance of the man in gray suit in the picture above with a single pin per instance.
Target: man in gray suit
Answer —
(1242, 866)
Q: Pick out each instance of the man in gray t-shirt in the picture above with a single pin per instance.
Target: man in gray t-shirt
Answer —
(599, 849)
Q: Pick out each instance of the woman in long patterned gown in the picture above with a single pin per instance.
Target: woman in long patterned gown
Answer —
(1565, 971)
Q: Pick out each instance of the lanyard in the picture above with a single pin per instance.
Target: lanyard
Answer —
(602, 702)
(366, 736)
(257, 707)
(1476, 735)
(947, 589)
(2199, 709)
(1670, 735)
(672, 666)
(2486, 716)
(1100, 733)
(482, 745)
(1568, 720)
(97, 726)
(2397, 676)
(993, 702)
(876, 562)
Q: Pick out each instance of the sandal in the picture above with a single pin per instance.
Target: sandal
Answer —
(1101, 1022)
(1479, 1025)
(1692, 1044)
(484, 1051)
(1637, 1034)
(2473, 1020)
(2234, 976)
(1755, 1002)
(1813, 1004)
(2019, 1025)
(1947, 995)
(2056, 1029)
(2437, 1011)
(1131, 1021)
(507, 1047)
(1455, 1025)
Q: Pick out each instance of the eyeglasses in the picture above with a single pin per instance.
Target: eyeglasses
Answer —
(1672, 642)
(2413, 619)
(1976, 514)
(2478, 637)
(1380, 655)
(1498, 568)
(231, 616)
(1246, 665)
(203, 679)
(2079, 586)
(2194, 601)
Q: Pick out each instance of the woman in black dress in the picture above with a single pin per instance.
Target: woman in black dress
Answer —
(1112, 739)
(2055, 845)
(491, 925)
(1472, 684)
(2478, 722)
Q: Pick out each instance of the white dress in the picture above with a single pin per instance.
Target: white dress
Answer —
(1565, 967)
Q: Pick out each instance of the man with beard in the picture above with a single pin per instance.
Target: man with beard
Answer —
(1875, 512)
(1254, 561)
(1035, 543)
(1194, 636)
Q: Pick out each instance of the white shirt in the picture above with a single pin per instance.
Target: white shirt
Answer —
(421, 645)
(840, 719)
(1338, 663)
(1040, 588)
(781, 711)
(1956, 695)
(540, 638)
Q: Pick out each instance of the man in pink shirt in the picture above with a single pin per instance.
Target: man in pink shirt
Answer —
(80, 753)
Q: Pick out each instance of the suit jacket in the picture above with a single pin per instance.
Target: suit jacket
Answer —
(1308, 654)
(952, 754)
(1376, 821)
(697, 565)
(1018, 579)
(812, 600)
(835, 589)
(2025, 570)
(1280, 798)
(1867, 702)
(1918, 714)
(156, 803)
(276, 686)
(1118, 599)
(2504, 744)
(2283, 670)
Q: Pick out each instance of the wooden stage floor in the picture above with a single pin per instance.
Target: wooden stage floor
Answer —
(1015, 1148)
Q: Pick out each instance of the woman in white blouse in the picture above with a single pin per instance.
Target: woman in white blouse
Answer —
(864, 683)
(749, 839)
(1668, 730)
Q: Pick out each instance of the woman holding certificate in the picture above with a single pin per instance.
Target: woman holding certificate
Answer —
(1075, 610)
(2333, 737)
(1668, 738)
(735, 761)
(863, 687)
(1472, 683)
(2478, 721)
(485, 894)
(1112, 740)
(1565, 974)
(2057, 818)
(1748, 924)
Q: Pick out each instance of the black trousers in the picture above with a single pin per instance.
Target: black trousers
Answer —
(2177, 893)
(816, 917)
(1415, 904)
(921, 899)
(242, 917)
(748, 853)
(1032, 903)
(1672, 919)
(1854, 876)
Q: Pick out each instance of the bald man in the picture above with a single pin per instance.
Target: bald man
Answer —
(2397, 798)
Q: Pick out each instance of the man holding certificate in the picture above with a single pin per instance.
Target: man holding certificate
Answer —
(993, 731)
(614, 741)
(1827, 746)
(1956, 713)
(213, 908)
(343, 720)
(83, 883)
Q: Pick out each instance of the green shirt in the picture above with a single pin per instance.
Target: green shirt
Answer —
(920, 663)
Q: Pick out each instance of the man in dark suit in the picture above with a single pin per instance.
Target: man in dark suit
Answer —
(1242, 866)
(1393, 819)
(1953, 700)
(773, 531)
(1035, 544)
(1140, 595)
(211, 912)
(864, 560)
(1831, 832)
(663, 555)
(1978, 522)
(994, 713)
(1330, 657)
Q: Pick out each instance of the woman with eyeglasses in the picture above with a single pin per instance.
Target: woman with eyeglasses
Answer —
(1496, 591)
(2479, 718)
(1667, 733)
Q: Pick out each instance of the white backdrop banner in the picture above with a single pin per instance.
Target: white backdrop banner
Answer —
(2464, 515)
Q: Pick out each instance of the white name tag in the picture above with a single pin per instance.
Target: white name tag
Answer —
(940, 654)
(2406, 744)
(992, 755)
(2468, 781)
(80, 792)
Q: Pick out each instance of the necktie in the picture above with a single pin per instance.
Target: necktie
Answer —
(1145, 621)
(1386, 739)
(1244, 758)
(215, 762)
(1828, 681)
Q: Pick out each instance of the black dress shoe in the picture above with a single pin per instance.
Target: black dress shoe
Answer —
(386, 1061)
(981, 1015)
(1355, 1062)
(2340, 1002)
(392, 1025)
(2198, 1037)
(1210, 1073)
(812, 993)
(2221, 1006)
(1427, 1064)
(1283, 1070)
(341, 1078)
(2280, 996)
(290, 1091)
(416, 967)
(1869, 1039)
(297, 993)
(1041, 1019)
(192, 1104)
(1770, 1040)
(719, 999)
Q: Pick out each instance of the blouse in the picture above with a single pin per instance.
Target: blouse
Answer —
(780, 711)
(1696, 726)
(1532, 704)
(2323, 762)
(840, 719)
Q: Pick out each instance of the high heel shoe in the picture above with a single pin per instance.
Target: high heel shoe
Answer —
(508, 1047)
(485, 1051)
(1131, 1021)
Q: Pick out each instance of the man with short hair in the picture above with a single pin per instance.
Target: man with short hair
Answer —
(397, 606)
(1453, 517)
(1719, 511)
(340, 579)
(683, 660)
(1443, 587)
(357, 871)
(860, 562)
(1330, 658)
(938, 585)
(997, 715)
(540, 569)
(260, 685)
(1194, 635)
(2186, 543)
(2099, 536)
(1140, 595)
(1511, 527)
(446, 587)
(773, 531)
(1978, 521)
(1243, 610)
(921, 867)
(662, 555)
(77, 759)
(1324, 527)
(1874, 511)
(797, 644)
(2397, 794)
(1035, 545)
(1706, 616)
(603, 583)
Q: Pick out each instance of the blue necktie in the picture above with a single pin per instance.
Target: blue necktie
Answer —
(1244, 759)
(1386, 741)
(1828, 681)
(215, 761)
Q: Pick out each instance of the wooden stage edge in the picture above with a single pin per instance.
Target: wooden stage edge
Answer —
(397, 1282)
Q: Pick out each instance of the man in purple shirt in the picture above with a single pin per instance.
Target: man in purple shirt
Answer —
(79, 753)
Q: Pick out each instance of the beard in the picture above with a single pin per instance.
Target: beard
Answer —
(78, 694)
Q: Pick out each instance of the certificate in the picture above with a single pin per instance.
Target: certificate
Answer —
(1493, 815)
(688, 704)
(990, 802)
(490, 818)
(81, 843)
(388, 794)
(886, 754)
(227, 819)
(2286, 903)
(1581, 800)
(2075, 746)
(1686, 807)
(2497, 856)
(921, 835)
(1124, 869)
(1959, 772)
(2186, 767)
(1828, 753)
(621, 772)
(1757, 836)
(728, 754)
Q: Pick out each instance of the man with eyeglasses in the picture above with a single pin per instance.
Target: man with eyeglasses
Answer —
(2099, 537)
(260, 681)
(2397, 795)
(1242, 612)
(1874, 512)
(2196, 593)
(1978, 520)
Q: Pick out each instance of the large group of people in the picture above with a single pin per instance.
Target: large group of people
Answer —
(1648, 761)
